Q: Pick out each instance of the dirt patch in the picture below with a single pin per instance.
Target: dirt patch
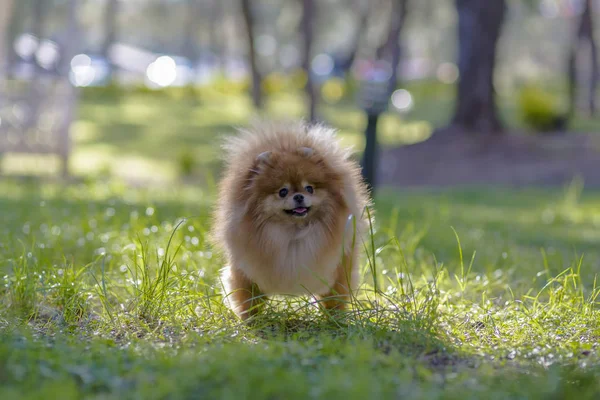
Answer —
(452, 158)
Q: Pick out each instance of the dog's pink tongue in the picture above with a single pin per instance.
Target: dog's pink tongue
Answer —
(300, 210)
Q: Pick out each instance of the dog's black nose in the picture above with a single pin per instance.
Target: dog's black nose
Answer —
(299, 198)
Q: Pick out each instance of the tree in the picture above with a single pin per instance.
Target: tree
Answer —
(585, 33)
(362, 12)
(39, 11)
(35, 89)
(479, 27)
(390, 50)
(70, 45)
(6, 7)
(190, 48)
(308, 13)
(70, 41)
(256, 75)
(110, 32)
(218, 13)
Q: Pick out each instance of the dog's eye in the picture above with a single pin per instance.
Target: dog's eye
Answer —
(283, 192)
(309, 189)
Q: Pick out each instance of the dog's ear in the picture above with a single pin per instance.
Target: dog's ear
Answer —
(306, 151)
(264, 157)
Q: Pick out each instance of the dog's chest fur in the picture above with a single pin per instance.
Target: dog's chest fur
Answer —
(294, 261)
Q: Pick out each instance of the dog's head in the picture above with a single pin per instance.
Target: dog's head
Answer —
(293, 188)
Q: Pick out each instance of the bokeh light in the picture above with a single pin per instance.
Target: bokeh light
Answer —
(447, 73)
(162, 72)
(333, 90)
(402, 100)
(322, 64)
(26, 45)
(47, 54)
(82, 74)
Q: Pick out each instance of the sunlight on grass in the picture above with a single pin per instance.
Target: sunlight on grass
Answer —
(108, 285)
(144, 136)
(110, 291)
(30, 164)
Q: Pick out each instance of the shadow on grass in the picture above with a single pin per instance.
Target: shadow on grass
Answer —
(388, 332)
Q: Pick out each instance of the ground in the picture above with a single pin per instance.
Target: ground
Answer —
(514, 159)
(106, 295)
(112, 291)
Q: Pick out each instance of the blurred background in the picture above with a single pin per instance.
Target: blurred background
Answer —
(459, 91)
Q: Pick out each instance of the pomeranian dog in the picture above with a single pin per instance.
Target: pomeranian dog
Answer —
(290, 216)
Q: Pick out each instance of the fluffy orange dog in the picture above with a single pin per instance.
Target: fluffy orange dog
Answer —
(290, 216)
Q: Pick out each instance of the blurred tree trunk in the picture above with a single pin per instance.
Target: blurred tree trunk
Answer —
(6, 8)
(256, 76)
(36, 84)
(213, 30)
(390, 51)
(39, 10)
(219, 23)
(362, 9)
(585, 32)
(70, 42)
(479, 27)
(15, 27)
(190, 40)
(190, 48)
(70, 46)
(110, 33)
(308, 13)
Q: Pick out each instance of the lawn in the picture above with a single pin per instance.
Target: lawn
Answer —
(161, 136)
(112, 292)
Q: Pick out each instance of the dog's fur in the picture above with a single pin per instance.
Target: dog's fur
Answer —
(274, 246)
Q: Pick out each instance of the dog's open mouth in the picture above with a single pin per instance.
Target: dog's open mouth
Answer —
(298, 211)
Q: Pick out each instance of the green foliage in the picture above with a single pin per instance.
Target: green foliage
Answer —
(187, 163)
(114, 91)
(273, 83)
(541, 110)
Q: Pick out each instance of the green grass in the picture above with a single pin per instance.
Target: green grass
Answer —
(112, 292)
(144, 136)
